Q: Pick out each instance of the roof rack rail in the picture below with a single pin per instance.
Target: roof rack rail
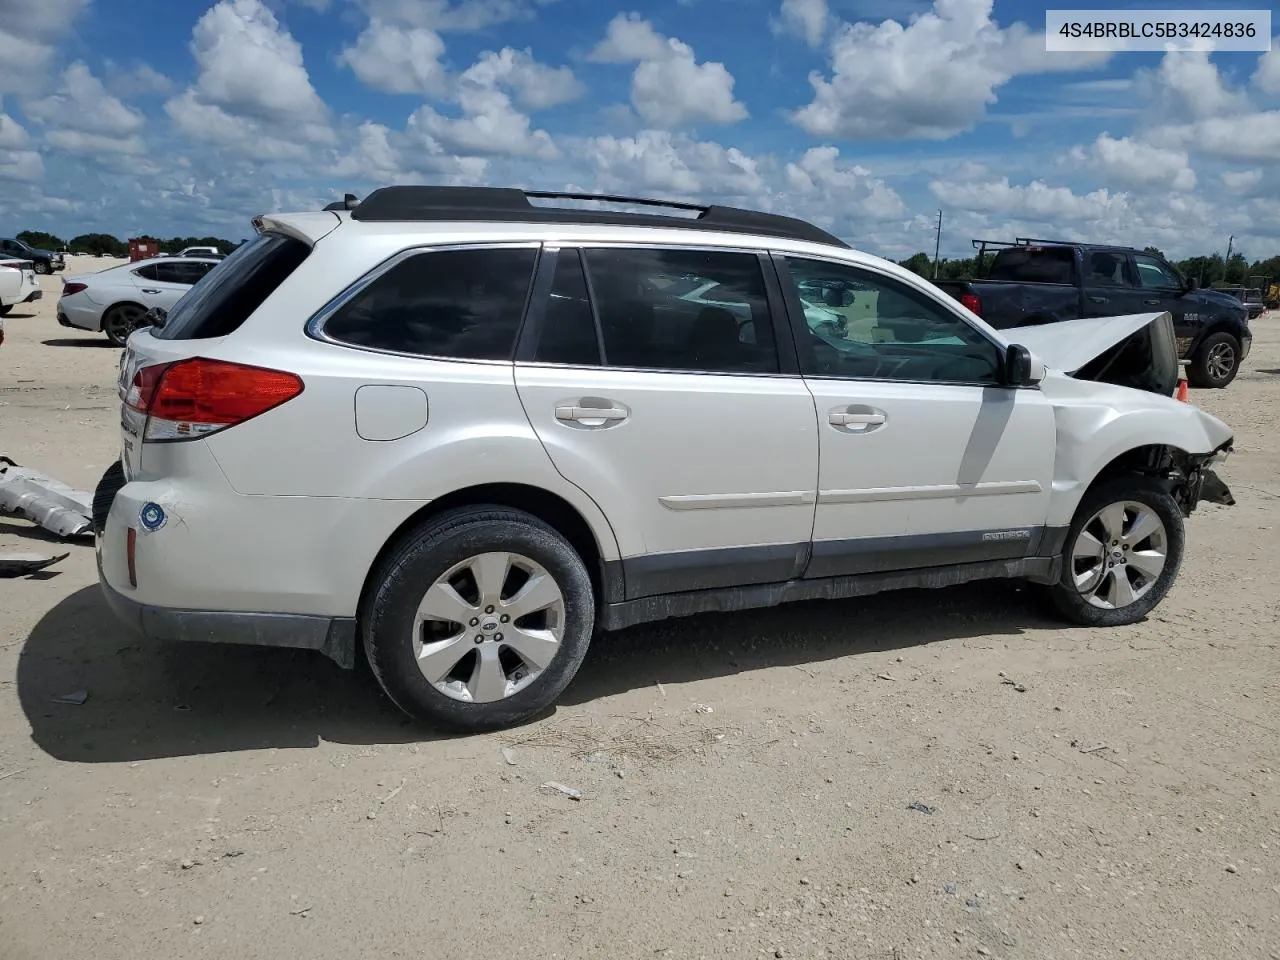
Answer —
(435, 203)
(348, 202)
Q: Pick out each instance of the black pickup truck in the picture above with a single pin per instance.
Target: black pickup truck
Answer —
(1033, 282)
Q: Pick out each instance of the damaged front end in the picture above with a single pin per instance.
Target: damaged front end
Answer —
(1188, 477)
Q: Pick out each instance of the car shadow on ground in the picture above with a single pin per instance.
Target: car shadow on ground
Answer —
(147, 699)
(80, 342)
(16, 315)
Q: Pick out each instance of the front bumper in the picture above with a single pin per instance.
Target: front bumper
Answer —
(1246, 344)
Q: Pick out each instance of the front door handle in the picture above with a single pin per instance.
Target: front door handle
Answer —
(573, 413)
(1099, 299)
(1152, 303)
(856, 418)
(146, 290)
(841, 419)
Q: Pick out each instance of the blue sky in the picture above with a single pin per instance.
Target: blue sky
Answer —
(189, 116)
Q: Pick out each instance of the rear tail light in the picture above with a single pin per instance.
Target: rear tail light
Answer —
(196, 397)
(970, 301)
(70, 288)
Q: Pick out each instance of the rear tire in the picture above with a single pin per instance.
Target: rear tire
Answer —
(1216, 361)
(445, 585)
(4, 310)
(42, 267)
(1127, 531)
(120, 321)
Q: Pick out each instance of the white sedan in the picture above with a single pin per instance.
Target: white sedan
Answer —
(18, 284)
(115, 301)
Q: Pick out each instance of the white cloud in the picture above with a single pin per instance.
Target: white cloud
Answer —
(252, 94)
(931, 79)
(1036, 201)
(490, 124)
(398, 59)
(28, 32)
(805, 18)
(17, 160)
(1131, 162)
(669, 87)
(95, 144)
(536, 85)
(1242, 182)
(672, 162)
(139, 80)
(81, 104)
(1187, 86)
(833, 192)
(1267, 76)
(444, 16)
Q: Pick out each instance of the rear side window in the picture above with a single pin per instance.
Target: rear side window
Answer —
(1035, 265)
(460, 304)
(226, 296)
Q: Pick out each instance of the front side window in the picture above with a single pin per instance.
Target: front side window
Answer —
(679, 309)
(460, 304)
(862, 325)
(1155, 275)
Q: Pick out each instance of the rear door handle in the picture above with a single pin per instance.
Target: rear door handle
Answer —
(148, 290)
(1099, 299)
(1152, 303)
(573, 413)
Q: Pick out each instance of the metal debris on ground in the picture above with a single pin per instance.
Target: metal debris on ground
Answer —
(885, 676)
(919, 807)
(45, 501)
(509, 755)
(1021, 688)
(76, 697)
(25, 564)
(572, 793)
(703, 708)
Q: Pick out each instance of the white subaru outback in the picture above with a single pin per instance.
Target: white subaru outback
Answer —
(463, 431)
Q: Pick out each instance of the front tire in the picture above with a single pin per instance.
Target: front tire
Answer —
(1216, 362)
(4, 310)
(479, 619)
(1123, 552)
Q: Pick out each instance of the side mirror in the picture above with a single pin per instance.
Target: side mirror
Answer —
(1193, 284)
(156, 316)
(1021, 367)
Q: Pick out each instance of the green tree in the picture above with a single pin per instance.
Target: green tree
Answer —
(1155, 252)
(918, 263)
(99, 244)
(41, 240)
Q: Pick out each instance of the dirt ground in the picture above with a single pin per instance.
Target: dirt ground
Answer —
(845, 779)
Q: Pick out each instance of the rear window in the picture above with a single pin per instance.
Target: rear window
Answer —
(229, 293)
(1034, 265)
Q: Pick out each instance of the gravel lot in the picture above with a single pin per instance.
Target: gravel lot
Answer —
(864, 785)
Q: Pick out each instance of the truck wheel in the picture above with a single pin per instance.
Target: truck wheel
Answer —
(1123, 552)
(1216, 362)
(42, 266)
(4, 310)
(479, 619)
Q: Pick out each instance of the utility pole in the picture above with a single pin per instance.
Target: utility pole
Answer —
(937, 245)
(1226, 264)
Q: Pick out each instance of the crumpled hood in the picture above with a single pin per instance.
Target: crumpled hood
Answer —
(1070, 344)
